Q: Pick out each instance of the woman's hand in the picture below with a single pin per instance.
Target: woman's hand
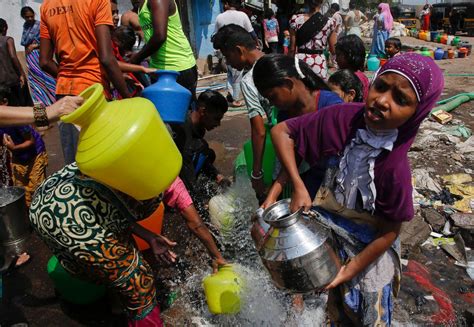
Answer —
(22, 80)
(31, 47)
(268, 201)
(148, 70)
(160, 246)
(216, 263)
(300, 199)
(63, 107)
(345, 274)
(8, 142)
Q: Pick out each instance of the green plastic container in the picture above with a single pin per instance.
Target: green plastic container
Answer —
(268, 164)
(456, 41)
(73, 289)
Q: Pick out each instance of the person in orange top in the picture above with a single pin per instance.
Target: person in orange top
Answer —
(78, 31)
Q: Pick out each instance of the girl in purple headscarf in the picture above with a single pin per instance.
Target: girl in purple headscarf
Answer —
(383, 23)
(367, 192)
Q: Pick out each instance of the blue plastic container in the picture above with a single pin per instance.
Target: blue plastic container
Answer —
(170, 99)
(373, 63)
(433, 36)
(438, 54)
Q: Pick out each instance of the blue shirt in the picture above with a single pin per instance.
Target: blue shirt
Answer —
(19, 135)
(326, 98)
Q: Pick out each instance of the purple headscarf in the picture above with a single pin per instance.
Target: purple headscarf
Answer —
(327, 132)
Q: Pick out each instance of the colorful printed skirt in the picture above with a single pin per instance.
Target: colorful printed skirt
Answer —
(86, 226)
(43, 85)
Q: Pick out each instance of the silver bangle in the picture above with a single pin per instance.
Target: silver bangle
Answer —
(260, 176)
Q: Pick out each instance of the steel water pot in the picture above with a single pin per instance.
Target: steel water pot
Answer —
(15, 227)
(297, 250)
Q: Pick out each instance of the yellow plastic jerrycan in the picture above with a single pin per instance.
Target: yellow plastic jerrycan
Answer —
(223, 290)
(124, 144)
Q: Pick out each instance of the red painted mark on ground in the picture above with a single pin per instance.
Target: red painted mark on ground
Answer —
(420, 274)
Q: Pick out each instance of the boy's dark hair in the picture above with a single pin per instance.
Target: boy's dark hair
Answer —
(335, 7)
(271, 71)
(234, 3)
(347, 80)
(269, 13)
(395, 41)
(232, 35)
(312, 4)
(3, 24)
(127, 37)
(213, 101)
(26, 9)
(352, 5)
(353, 49)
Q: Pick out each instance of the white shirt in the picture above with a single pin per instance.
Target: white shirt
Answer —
(233, 16)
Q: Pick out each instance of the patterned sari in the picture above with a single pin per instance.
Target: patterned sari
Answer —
(87, 226)
(43, 85)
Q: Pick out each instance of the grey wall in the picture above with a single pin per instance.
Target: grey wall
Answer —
(10, 11)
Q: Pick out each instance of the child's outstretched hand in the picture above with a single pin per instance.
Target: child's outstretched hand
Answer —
(218, 262)
(8, 142)
(160, 246)
(148, 70)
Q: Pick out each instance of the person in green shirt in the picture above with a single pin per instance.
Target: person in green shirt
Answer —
(166, 44)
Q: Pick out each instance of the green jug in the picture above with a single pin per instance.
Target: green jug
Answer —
(269, 156)
(223, 290)
(456, 41)
(425, 52)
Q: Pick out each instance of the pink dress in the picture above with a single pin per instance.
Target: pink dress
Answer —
(317, 62)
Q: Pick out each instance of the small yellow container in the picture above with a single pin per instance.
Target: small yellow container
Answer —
(125, 144)
(223, 291)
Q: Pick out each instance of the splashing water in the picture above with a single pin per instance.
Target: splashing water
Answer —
(5, 179)
(262, 303)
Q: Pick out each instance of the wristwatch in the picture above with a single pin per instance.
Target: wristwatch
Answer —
(39, 113)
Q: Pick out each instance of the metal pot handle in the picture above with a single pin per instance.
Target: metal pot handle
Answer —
(313, 215)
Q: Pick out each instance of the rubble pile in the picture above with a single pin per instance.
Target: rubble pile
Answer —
(437, 245)
(398, 29)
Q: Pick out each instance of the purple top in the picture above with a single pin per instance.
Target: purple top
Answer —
(19, 135)
(328, 132)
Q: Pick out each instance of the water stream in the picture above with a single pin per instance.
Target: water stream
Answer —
(4, 175)
(262, 303)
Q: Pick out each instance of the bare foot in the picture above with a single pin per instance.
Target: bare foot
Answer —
(237, 104)
(22, 259)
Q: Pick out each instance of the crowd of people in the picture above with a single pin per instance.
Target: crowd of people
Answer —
(341, 140)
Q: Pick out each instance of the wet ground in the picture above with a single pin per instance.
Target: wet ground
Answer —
(434, 291)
